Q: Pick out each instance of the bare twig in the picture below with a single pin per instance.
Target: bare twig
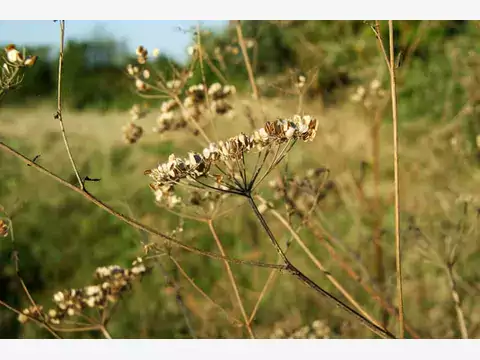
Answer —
(390, 61)
(456, 300)
(58, 114)
(397, 183)
(292, 270)
(319, 265)
(248, 65)
(129, 220)
(232, 280)
(41, 323)
(208, 298)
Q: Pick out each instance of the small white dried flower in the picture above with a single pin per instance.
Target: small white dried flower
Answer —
(191, 50)
(375, 84)
(13, 55)
(59, 297)
(140, 85)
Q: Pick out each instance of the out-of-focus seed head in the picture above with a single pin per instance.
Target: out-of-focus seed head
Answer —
(132, 133)
(3, 228)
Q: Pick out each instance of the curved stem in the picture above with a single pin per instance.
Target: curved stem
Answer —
(128, 220)
(398, 259)
(105, 332)
(292, 270)
(319, 265)
(58, 115)
(232, 280)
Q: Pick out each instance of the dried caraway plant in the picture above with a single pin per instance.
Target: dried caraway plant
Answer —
(12, 69)
(88, 308)
(184, 106)
(223, 168)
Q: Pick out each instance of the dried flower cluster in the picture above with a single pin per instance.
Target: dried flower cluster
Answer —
(137, 112)
(16, 58)
(316, 330)
(113, 281)
(3, 228)
(304, 191)
(182, 107)
(197, 165)
(300, 83)
(14, 61)
(369, 96)
(142, 55)
(174, 117)
(132, 133)
(219, 94)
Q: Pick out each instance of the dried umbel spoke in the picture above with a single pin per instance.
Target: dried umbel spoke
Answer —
(112, 282)
(223, 163)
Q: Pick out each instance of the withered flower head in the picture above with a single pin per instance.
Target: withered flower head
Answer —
(230, 155)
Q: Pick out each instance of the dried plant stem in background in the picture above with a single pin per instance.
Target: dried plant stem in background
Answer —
(324, 237)
(377, 230)
(292, 270)
(208, 298)
(456, 300)
(319, 265)
(398, 249)
(390, 61)
(232, 280)
(58, 115)
(248, 65)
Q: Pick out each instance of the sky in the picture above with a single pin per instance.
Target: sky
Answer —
(170, 36)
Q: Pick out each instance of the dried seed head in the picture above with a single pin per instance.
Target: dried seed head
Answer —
(3, 228)
(13, 55)
(30, 61)
(132, 133)
(196, 165)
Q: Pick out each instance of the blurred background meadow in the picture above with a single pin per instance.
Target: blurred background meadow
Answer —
(332, 70)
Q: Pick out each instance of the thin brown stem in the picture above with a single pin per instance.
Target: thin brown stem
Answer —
(368, 286)
(129, 220)
(41, 323)
(292, 270)
(267, 229)
(377, 229)
(319, 265)
(58, 114)
(456, 301)
(246, 59)
(271, 277)
(208, 298)
(398, 258)
(232, 280)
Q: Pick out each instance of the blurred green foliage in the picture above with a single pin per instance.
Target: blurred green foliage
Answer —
(341, 52)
